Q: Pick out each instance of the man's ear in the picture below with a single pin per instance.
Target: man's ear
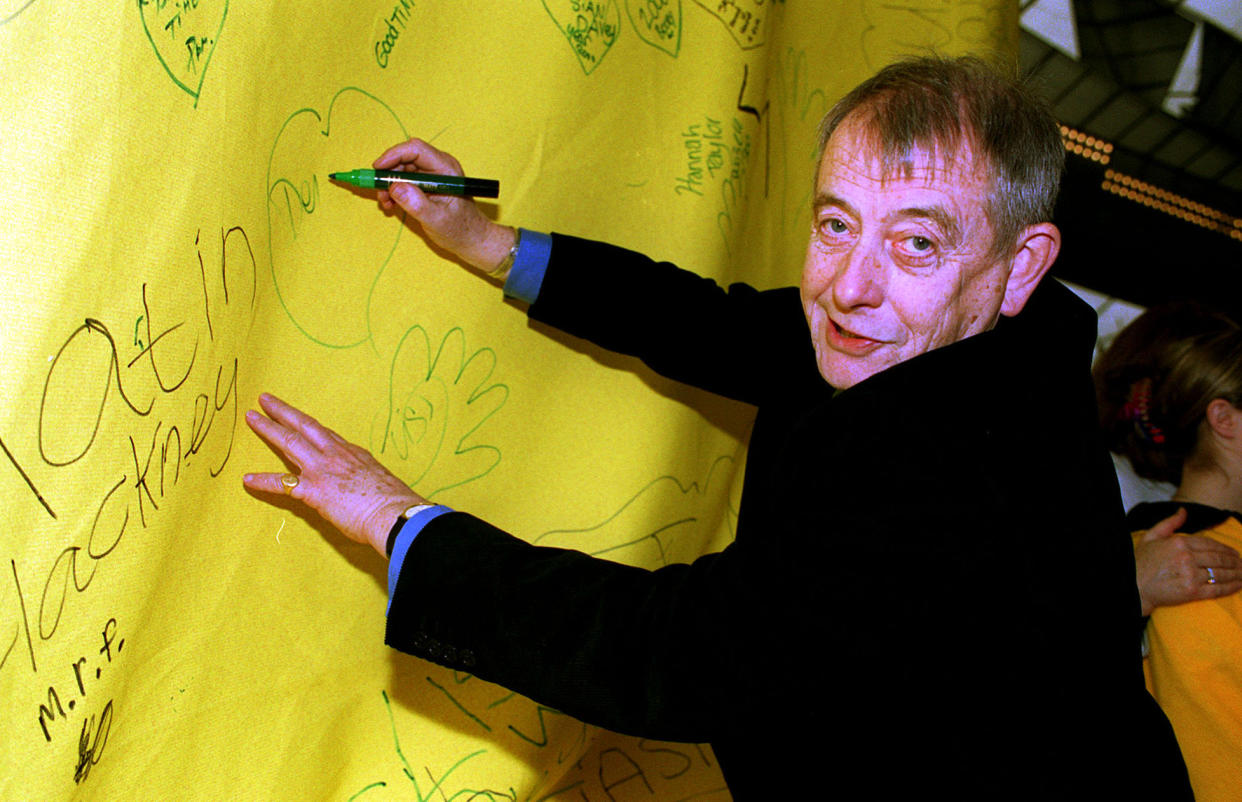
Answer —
(1037, 249)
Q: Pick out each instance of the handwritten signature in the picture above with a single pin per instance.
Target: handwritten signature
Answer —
(144, 413)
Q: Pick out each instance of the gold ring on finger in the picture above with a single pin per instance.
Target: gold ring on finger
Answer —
(288, 481)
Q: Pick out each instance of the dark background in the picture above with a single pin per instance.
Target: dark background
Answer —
(1129, 52)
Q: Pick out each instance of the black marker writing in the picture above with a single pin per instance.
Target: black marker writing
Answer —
(26, 478)
(91, 743)
(58, 706)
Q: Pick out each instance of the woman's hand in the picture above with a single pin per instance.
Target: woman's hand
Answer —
(454, 223)
(339, 480)
(1175, 569)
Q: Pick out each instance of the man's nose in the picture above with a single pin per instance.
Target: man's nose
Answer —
(859, 278)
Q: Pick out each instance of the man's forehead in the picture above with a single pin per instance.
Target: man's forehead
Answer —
(855, 150)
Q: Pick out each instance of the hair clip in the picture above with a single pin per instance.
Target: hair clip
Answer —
(1137, 410)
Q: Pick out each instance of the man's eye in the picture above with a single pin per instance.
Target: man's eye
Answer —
(836, 225)
(920, 244)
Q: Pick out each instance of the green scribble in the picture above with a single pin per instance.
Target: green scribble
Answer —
(542, 740)
(171, 25)
(794, 89)
(794, 94)
(458, 704)
(724, 218)
(658, 23)
(563, 789)
(307, 197)
(370, 787)
(396, 739)
(408, 770)
(896, 28)
(502, 700)
(13, 15)
(436, 404)
(689, 515)
(290, 199)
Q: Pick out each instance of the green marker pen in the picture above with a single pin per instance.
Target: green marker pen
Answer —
(427, 182)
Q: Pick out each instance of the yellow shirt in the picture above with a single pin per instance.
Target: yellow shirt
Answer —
(1195, 672)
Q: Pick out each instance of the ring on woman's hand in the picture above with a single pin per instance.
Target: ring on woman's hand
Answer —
(1211, 575)
(289, 481)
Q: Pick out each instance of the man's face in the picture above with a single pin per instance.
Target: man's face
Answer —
(897, 264)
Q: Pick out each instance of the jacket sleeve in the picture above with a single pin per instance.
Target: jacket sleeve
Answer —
(734, 342)
(658, 654)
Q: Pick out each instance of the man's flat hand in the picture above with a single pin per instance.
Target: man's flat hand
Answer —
(339, 480)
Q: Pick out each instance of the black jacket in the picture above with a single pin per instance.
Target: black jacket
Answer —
(931, 587)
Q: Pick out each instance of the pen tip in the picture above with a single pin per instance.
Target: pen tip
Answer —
(333, 176)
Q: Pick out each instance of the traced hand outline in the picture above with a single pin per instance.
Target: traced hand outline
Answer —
(436, 403)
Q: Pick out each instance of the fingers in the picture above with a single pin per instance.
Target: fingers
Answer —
(1221, 589)
(1216, 565)
(416, 155)
(1206, 545)
(273, 483)
(1167, 527)
(406, 154)
(297, 436)
(1219, 572)
(341, 481)
(1215, 583)
(1178, 575)
(291, 445)
(297, 421)
(410, 198)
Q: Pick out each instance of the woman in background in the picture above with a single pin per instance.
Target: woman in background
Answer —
(1170, 397)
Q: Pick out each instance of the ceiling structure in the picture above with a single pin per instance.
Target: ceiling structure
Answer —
(1161, 81)
(1149, 95)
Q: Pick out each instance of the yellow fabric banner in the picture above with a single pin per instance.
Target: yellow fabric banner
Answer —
(172, 247)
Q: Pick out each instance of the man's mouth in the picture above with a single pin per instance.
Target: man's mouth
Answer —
(850, 343)
(849, 334)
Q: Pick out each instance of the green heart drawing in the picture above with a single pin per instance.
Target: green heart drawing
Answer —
(658, 23)
(329, 244)
(590, 26)
(184, 34)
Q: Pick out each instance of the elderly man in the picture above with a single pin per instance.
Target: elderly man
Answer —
(930, 591)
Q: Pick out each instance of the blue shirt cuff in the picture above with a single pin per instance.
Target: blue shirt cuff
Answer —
(405, 537)
(529, 265)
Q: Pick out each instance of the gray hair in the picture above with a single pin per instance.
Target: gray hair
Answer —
(941, 105)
